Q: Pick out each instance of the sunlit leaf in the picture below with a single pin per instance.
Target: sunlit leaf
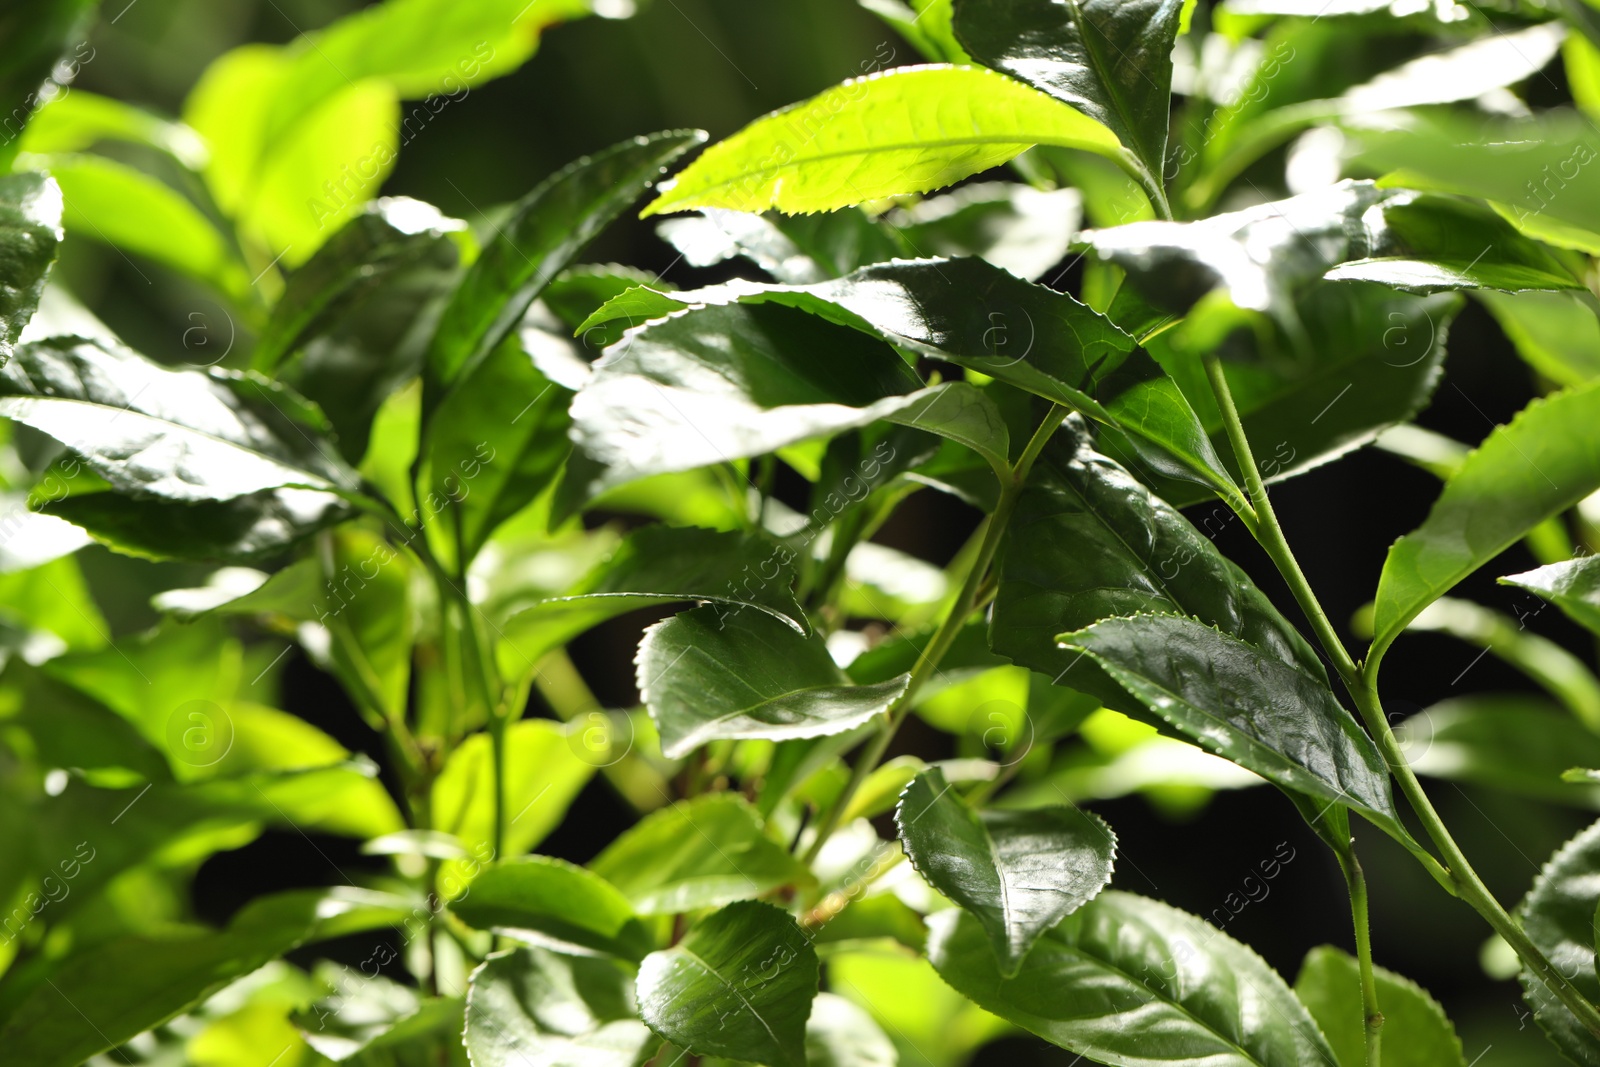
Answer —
(1416, 1032)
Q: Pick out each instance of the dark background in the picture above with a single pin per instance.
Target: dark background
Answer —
(717, 64)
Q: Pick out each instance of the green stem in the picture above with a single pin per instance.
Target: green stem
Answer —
(1371, 1018)
(1362, 684)
(962, 607)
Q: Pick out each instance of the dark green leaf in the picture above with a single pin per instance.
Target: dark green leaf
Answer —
(697, 854)
(380, 1023)
(1416, 1032)
(33, 35)
(1573, 586)
(740, 984)
(1110, 59)
(532, 1008)
(1017, 228)
(30, 229)
(1541, 463)
(1089, 542)
(906, 130)
(707, 675)
(658, 565)
(389, 237)
(545, 230)
(179, 435)
(1018, 872)
(1246, 705)
(1520, 744)
(1136, 983)
(550, 902)
(1558, 916)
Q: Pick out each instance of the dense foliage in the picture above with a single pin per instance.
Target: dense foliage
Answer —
(447, 450)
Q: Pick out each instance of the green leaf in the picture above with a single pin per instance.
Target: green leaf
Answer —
(906, 130)
(102, 996)
(1572, 586)
(75, 121)
(1520, 744)
(1555, 333)
(545, 767)
(658, 565)
(1022, 230)
(697, 854)
(179, 435)
(707, 675)
(550, 902)
(1558, 916)
(1110, 59)
(30, 231)
(498, 439)
(740, 984)
(32, 42)
(970, 313)
(1138, 983)
(365, 603)
(925, 23)
(1416, 1031)
(840, 1034)
(544, 231)
(130, 210)
(388, 237)
(1089, 542)
(1018, 872)
(1541, 463)
(930, 1023)
(793, 249)
(373, 1023)
(532, 1007)
(1247, 705)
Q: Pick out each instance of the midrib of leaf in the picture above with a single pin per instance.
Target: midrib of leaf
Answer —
(1000, 876)
(696, 957)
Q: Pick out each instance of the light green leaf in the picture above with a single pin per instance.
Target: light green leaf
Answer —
(533, 1008)
(1110, 59)
(544, 231)
(1242, 703)
(1520, 744)
(707, 675)
(1541, 463)
(77, 120)
(1573, 586)
(1136, 983)
(1416, 1032)
(740, 984)
(545, 767)
(840, 1034)
(1554, 333)
(1558, 916)
(1018, 872)
(107, 994)
(930, 1023)
(365, 602)
(906, 130)
(179, 435)
(550, 902)
(697, 854)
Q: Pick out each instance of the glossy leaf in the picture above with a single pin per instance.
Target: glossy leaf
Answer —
(180, 435)
(549, 902)
(707, 675)
(740, 984)
(906, 130)
(1138, 982)
(1242, 703)
(389, 236)
(1110, 59)
(1573, 586)
(840, 1034)
(697, 854)
(1019, 229)
(534, 1007)
(1018, 872)
(1089, 542)
(978, 316)
(659, 565)
(1554, 333)
(30, 231)
(1520, 744)
(545, 230)
(1416, 1032)
(1558, 916)
(1541, 463)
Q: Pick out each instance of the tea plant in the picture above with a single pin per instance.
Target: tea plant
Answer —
(415, 474)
